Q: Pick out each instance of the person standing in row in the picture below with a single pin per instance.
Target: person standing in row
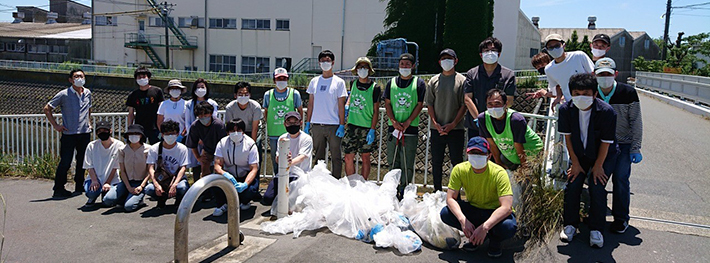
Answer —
(247, 110)
(174, 108)
(325, 119)
(200, 93)
(143, 103)
(445, 103)
(364, 111)
(600, 45)
(277, 102)
(563, 66)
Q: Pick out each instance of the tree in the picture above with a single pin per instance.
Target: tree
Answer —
(689, 54)
(572, 44)
(468, 23)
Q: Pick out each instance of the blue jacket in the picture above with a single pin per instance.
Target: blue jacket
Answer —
(602, 127)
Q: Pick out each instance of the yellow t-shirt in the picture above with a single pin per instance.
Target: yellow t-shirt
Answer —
(482, 190)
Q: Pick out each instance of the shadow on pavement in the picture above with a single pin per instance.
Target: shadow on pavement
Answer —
(579, 250)
(50, 199)
(244, 215)
(219, 254)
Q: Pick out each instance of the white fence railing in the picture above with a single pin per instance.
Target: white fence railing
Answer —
(695, 88)
(24, 136)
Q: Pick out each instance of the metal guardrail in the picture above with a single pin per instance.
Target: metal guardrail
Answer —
(182, 218)
(156, 40)
(695, 88)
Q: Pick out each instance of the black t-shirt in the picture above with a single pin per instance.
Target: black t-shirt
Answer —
(518, 125)
(403, 83)
(376, 93)
(145, 105)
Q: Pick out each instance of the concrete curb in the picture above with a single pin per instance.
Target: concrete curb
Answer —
(687, 106)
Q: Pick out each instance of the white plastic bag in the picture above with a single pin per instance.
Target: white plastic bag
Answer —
(404, 241)
(426, 220)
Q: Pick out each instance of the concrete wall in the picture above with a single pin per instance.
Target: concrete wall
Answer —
(528, 38)
(505, 28)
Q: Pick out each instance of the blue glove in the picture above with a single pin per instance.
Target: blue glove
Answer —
(347, 110)
(307, 128)
(180, 137)
(231, 178)
(636, 157)
(475, 121)
(341, 131)
(241, 187)
(371, 136)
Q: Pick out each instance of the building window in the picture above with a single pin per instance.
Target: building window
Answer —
(223, 23)
(222, 63)
(255, 64)
(159, 22)
(186, 22)
(106, 21)
(258, 24)
(37, 48)
(646, 44)
(622, 41)
(59, 49)
(2, 46)
(283, 63)
(534, 51)
(283, 24)
(14, 47)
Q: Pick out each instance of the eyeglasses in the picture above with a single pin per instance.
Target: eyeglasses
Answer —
(555, 46)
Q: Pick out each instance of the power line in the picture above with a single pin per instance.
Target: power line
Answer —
(693, 5)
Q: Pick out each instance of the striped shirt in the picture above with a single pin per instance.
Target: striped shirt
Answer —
(75, 110)
(629, 126)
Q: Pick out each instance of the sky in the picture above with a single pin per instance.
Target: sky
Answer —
(633, 15)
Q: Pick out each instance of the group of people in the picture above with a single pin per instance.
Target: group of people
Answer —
(602, 139)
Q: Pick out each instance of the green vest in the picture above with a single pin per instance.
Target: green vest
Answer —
(404, 100)
(277, 111)
(361, 105)
(504, 141)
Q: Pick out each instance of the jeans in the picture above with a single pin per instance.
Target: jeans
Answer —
(324, 136)
(597, 195)
(69, 143)
(405, 158)
(620, 182)
(272, 190)
(503, 230)
(455, 141)
(182, 187)
(248, 195)
(273, 146)
(92, 195)
(119, 193)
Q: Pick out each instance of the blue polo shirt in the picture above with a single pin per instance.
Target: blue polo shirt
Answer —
(75, 110)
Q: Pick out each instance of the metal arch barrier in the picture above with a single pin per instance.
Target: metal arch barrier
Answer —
(182, 218)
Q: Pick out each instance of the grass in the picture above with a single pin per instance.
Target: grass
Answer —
(2, 230)
(36, 166)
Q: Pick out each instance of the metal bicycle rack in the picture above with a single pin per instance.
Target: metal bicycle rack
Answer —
(183, 213)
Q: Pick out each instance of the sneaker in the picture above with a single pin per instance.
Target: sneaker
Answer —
(90, 202)
(596, 239)
(619, 227)
(61, 193)
(161, 203)
(245, 206)
(469, 247)
(568, 233)
(219, 211)
(494, 250)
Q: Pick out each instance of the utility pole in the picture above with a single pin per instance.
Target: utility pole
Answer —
(166, 20)
(665, 32)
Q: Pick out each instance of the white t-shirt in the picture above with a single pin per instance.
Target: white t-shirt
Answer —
(559, 73)
(173, 110)
(584, 117)
(174, 158)
(103, 160)
(303, 145)
(325, 93)
(237, 157)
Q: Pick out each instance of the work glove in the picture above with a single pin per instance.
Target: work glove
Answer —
(241, 187)
(636, 157)
(307, 128)
(231, 178)
(341, 131)
(371, 136)
(347, 110)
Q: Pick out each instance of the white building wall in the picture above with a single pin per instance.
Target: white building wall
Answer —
(505, 28)
(528, 40)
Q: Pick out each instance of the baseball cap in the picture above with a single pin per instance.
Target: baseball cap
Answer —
(362, 60)
(553, 37)
(605, 65)
(478, 143)
(102, 124)
(292, 114)
(449, 52)
(279, 72)
(602, 37)
(407, 56)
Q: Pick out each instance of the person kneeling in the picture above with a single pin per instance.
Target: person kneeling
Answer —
(101, 161)
(237, 155)
(488, 212)
(134, 171)
(166, 166)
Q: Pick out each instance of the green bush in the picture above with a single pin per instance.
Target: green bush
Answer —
(36, 166)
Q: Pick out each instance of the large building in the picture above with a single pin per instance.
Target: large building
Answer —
(57, 42)
(521, 39)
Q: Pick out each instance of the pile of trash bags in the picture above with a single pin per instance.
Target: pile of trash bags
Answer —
(355, 208)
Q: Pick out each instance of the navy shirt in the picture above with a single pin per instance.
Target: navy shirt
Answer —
(479, 83)
(518, 126)
(602, 127)
(210, 135)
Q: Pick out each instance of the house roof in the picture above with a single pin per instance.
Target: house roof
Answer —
(566, 33)
(637, 34)
(42, 30)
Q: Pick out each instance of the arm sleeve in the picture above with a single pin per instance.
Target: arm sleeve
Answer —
(161, 109)
(257, 114)
(253, 155)
(608, 124)
(130, 102)
(468, 83)
(563, 123)
(160, 96)
(519, 127)
(342, 89)
(57, 100)
(216, 107)
(551, 83)
(510, 86)
(421, 90)
(455, 179)
(184, 159)
(636, 126)
(312, 86)
(386, 95)
(152, 156)
(429, 97)
(503, 183)
(228, 112)
(482, 127)
(265, 103)
(306, 147)
(88, 158)
(587, 63)
(376, 94)
(218, 149)
(121, 155)
(192, 137)
(297, 101)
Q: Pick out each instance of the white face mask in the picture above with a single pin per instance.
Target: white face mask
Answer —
(134, 138)
(582, 102)
(605, 82)
(205, 120)
(490, 57)
(496, 112)
(170, 139)
(598, 52)
(405, 72)
(243, 99)
(236, 137)
(142, 82)
(556, 52)
(363, 73)
(447, 64)
(79, 82)
(175, 93)
(201, 92)
(325, 66)
(478, 161)
(281, 84)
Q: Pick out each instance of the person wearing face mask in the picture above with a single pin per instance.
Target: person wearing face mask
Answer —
(143, 103)
(484, 77)
(133, 171)
(600, 45)
(200, 93)
(539, 61)
(364, 107)
(589, 127)
(563, 66)
(174, 108)
(507, 132)
(237, 159)
(444, 100)
(277, 102)
(488, 210)
(325, 119)
(629, 134)
(404, 100)
(208, 130)
(167, 158)
(101, 161)
(301, 149)
(75, 104)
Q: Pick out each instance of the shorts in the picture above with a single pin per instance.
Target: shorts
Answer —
(355, 140)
